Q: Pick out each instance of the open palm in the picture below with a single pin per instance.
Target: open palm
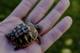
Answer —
(49, 34)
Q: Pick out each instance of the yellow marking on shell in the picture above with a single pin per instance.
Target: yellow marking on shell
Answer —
(26, 39)
(29, 28)
(31, 35)
(36, 33)
(35, 37)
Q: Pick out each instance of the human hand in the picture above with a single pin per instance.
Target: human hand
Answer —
(49, 33)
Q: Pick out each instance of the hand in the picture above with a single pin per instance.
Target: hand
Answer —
(49, 33)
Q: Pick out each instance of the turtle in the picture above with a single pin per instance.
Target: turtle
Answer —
(23, 35)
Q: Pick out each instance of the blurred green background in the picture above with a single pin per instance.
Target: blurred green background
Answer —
(70, 41)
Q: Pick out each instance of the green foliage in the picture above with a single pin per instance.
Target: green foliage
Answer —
(6, 7)
(70, 41)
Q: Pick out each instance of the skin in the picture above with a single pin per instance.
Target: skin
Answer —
(49, 33)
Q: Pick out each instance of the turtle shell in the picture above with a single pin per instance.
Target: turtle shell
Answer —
(23, 35)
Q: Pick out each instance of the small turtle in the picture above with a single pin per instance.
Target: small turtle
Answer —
(23, 35)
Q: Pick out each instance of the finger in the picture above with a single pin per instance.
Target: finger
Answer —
(34, 48)
(54, 16)
(55, 33)
(40, 10)
(23, 8)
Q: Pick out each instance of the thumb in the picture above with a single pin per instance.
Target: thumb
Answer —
(8, 24)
